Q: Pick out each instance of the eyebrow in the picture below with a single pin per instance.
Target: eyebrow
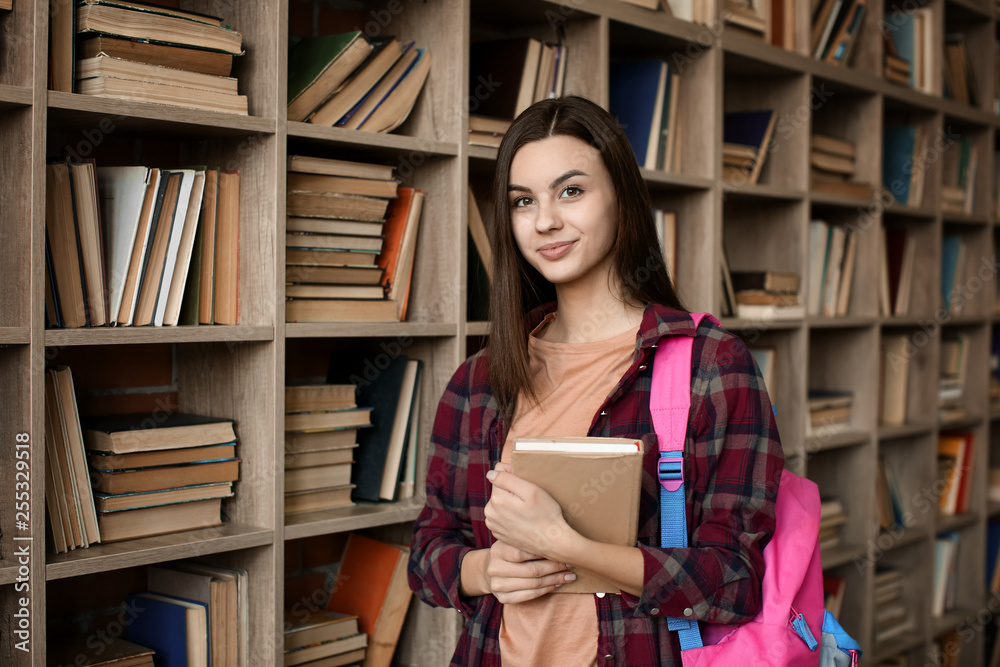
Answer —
(568, 175)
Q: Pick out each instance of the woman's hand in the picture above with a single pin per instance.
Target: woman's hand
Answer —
(513, 575)
(524, 515)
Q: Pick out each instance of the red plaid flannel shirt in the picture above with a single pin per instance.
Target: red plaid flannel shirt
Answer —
(733, 458)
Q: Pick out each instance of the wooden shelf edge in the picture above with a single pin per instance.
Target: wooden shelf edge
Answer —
(821, 443)
(15, 95)
(846, 322)
(148, 550)
(910, 536)
(841, 555)
(167, 114)
(964, 219)
(8, 575)
(956, 521)
(843, 201)
(477, 328)
(970, 421)
(669, 179)
(951, 619)
(343, 136)
(15, 335)
(350, 518)
(914, 212)
(369, 329)
(144, 335)
(482, 152)
(760, 191)
(904, 431)
(737, 325)
(898, 645)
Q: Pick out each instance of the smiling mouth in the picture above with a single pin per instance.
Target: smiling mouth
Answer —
(555, 250)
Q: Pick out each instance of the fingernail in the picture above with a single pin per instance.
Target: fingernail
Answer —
(570, 577)
(491, 475)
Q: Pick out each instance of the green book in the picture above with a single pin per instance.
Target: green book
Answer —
(317, 66)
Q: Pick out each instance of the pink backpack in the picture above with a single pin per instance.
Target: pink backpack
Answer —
(792, 613)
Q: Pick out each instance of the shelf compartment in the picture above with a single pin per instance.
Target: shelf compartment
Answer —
(911, 429)
(149, 550)
(692, 251)
(820, 443)
(105, 115)
(903, 644)
(351, 518)
(370, 329)
(147, 335)
(972, 273)
(371, 142)
(828, 469)
(16, 133)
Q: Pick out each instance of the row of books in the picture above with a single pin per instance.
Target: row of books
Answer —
(953, 272)
(506, 76)
(891, 514)
(761, 294)
(137, 246)
(894, 378)
(832, 517)
(909, 47)
(348, 80)
(903, 165)
(833, 251)
(952, 373)
(944, 591)
(959, 164)
(147, 52)
(896, 270)
(120, 477)
(955, 461)
(746, 136)
(832, 164)
(959, 76)
(644, 98)
(361, 619)
(351, 241)
(835, 28)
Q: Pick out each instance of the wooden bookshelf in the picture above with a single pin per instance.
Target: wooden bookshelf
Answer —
(239, 371)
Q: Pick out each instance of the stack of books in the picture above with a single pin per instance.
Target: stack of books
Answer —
(152, 477)
(385, 463)
(958, 167)
(644, 98)
(350, 242)
(899, 247)
(323, 638)
(832, 166)
(507, 76)
(945, 588)
(955, 456)
(833, 251)
(829, 411)
(746, 136)
(760, 293)
(371, 585)
(835, 28)
(744, 17)
(894, 371)
(831, 517)
(350, 81)
(137, 246)
(893, 616)
(951, 377)
(151, 53)
(959, 77)
(219, 594)
(321, 426)
(909, 38)
(903, 163)
(895, 68)
(890, 503)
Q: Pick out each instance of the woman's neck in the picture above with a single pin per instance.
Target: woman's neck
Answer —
(584, 316)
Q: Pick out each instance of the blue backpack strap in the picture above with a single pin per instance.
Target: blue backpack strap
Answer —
(670, 403)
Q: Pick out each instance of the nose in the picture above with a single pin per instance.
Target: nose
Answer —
(547, 219)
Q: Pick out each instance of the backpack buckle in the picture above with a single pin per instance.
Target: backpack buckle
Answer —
(671, 471)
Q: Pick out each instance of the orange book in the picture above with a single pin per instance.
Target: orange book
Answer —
(371, 584)
(396, 258)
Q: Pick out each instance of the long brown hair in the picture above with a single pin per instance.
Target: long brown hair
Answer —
(518, 287)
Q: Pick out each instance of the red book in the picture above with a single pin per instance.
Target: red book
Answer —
(371, 584)
(399, 247)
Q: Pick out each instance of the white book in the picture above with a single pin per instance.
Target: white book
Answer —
(136, 266)
(179, 280)
(122, 191)
(834, 259)
(818, 233)
(173, 244)
(400, 430)
(594, 446)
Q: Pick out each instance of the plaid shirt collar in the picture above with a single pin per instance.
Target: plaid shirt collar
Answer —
(657, 321)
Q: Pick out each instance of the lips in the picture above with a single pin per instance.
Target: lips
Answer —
(555, 250)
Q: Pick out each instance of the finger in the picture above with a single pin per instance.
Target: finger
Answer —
(523, 596)
(504, 467)
(511, 483)
(534, 569)
(515, 584)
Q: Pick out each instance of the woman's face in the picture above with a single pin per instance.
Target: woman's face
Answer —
(563, 210)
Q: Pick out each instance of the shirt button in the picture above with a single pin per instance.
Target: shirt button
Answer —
(689, 612)
(600, 595)
(642, 367)
(608, 656)
(604, 413)
(654, 611)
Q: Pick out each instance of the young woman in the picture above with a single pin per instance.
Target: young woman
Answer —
(575, 248)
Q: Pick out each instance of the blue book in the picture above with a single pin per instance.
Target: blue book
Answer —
(379, 89)
(635, 89)
(169, 626)
(901, 30)
(950, 247)
(898, 146)
(992, 551)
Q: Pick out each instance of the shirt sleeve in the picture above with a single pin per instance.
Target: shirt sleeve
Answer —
(732, 482)
(443, 533)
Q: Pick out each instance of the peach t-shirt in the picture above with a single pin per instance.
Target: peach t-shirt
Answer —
(572, 381)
